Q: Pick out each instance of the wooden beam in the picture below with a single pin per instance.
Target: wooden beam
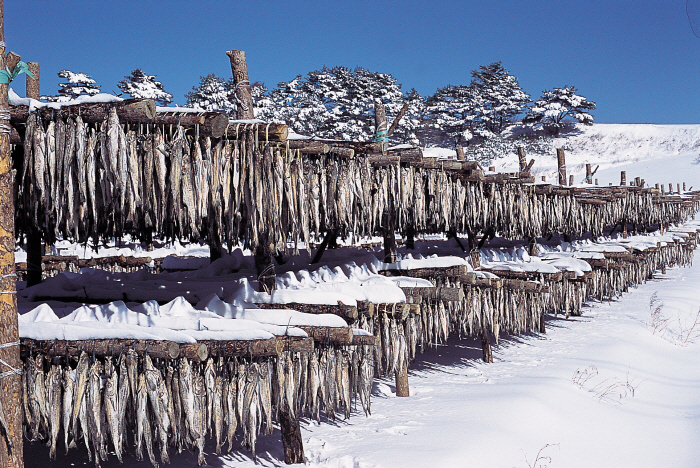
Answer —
(128, 110)
(521, 158)
(269, 347)
(398, 118)
(11, 445)
(32, 82)
(561, 165)
(113, 347)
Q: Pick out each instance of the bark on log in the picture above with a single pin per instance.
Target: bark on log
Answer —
(460, 154)
(401, 381)
(380, 128)
(296, 344)
(342, 310)
(486, 347)
(623, 177)
(448, 272)
(12, 445)
(521, 158)
(194, 351)
(239, 69)
(269, 347)
(128, 110)
(113, 347)
(316, 149)
(365, 340)
(11, 60)
(32, 83)
(291, 436)
(343, 152)
(436, 293)
(336, 335)
(265, 131)
(212, 124)
(299, 144)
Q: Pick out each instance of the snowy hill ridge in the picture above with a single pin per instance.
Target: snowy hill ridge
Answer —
(657, 153)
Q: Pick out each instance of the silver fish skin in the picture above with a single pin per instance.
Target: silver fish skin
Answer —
(69, 170)
(159, 153)
(187, 399)
(314, 384)
(251, 411)
(53, 400)
(95, 410)
(80, 156)
(188, 194)
(158, 396)
(111, 408)
(51, 159)
(41, 182)
(122, 168)
(84, 427)
(176, 161)
(218, 410)
(132, 361)
(240, 383)
(147, 181)
(231, 413)
(68, 398)
(200, 409)
(169, 395)
(33, 399)
(143, 426)
(345, 384)
(210, 384)
(265, 395)
(91, 174)
(177, 425)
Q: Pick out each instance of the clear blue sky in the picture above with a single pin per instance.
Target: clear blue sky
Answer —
(639, 60)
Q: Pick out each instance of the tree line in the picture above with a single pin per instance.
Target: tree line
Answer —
(338, 102)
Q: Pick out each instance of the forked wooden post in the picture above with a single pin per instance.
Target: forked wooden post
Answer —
(11, 443)
(244, 100)
(561, 165)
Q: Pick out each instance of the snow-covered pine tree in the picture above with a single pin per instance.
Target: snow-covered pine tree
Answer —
(552, 109)
(212, 94)
(140, 85)
(451, 112)
(501, 96)
(78, 84)
(297, 104)
(263, 106)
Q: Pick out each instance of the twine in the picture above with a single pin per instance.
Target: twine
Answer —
(12, 370)
(235, 93)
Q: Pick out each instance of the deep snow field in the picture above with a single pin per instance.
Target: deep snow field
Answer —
(604, 389)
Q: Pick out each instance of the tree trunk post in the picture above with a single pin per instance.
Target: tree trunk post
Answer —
(561, 165)
(684, 187)
(460, 154)
(532, 246)
(571, 180)
(623, 177)
(33, 90)
(11, 443)
(492, 168)
(291, 436)
(328, 240)
(244, 100)
(486, 346)
(670, 188)
(521, 158)
(474, 253)
(596, 181)
(264, 265)
(401, 379)
(410, 236)
(589, 174)
(390, 253)
(380, 127)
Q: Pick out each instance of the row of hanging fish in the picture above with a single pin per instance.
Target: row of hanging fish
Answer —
(81, 181)
(155, 406)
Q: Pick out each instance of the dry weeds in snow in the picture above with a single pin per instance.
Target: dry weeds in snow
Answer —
(685, 331)
(541, 460)
(611, 390)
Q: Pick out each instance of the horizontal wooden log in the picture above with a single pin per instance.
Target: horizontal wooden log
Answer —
(453, 271)
(113, 347)
(345, 311)
(128, 110)
(383, 160)
(269, 347)
(297, 344)
(194, 351)
(365, 340)
(526, 275)
(316, 149)
(436, 293)
(213, 124)
(527, 286)
(265, 131)
(343, 152)
(337, 335)
(299, 144)
(121, 260)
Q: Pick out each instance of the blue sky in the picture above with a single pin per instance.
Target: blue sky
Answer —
(639, 60)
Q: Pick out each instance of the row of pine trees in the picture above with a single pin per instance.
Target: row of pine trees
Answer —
(338, 102)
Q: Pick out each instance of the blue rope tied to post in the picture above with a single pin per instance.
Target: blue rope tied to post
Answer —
(6, 76)
(381, 136)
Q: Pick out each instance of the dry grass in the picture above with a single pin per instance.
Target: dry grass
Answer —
(541, 460)
(610, 390)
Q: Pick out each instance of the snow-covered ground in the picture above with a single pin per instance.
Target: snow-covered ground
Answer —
(603, 389)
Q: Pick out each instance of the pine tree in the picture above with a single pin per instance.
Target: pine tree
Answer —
(212, 94)
(78, 84)
(501, 98)
(451, 112)
(140, 85)
(552, 109)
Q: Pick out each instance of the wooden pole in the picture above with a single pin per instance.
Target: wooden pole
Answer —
(684, 186)
(401, 379)
(264, 265)
(561, 164)
(460, 154)
(380, 130)
(589, 174)
(291, 435)
(623, 178)
(670, 188)
(571, 179)
(390, 253)
(11, 446)
(33, 90)
(596, 181)
(239, 68)
(521, 158)
(398, 118)
(486, 346)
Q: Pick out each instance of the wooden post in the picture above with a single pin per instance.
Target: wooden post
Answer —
(33, 90)
(684, 186)
(244, 100)
(589, 174)
(656, 186)
(398, 118)
(291, 435)
(486, 346)
(328, 239)
(623, 177)
(596, 181)
(571, 179)
(521, 158)
(410, 236)
(641, 183)
(637, 181)
(11, 443)
(670, 188)
(532, 246)
(380, 127)
(544, 178)
(678, 186)
(264, 265)
(460, 154)
(474, 253)
(663, 189)
(389, 238)
(492, 168)
(401, 380)
(561, 165)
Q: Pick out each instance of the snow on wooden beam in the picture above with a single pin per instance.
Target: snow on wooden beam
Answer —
(128, 110)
